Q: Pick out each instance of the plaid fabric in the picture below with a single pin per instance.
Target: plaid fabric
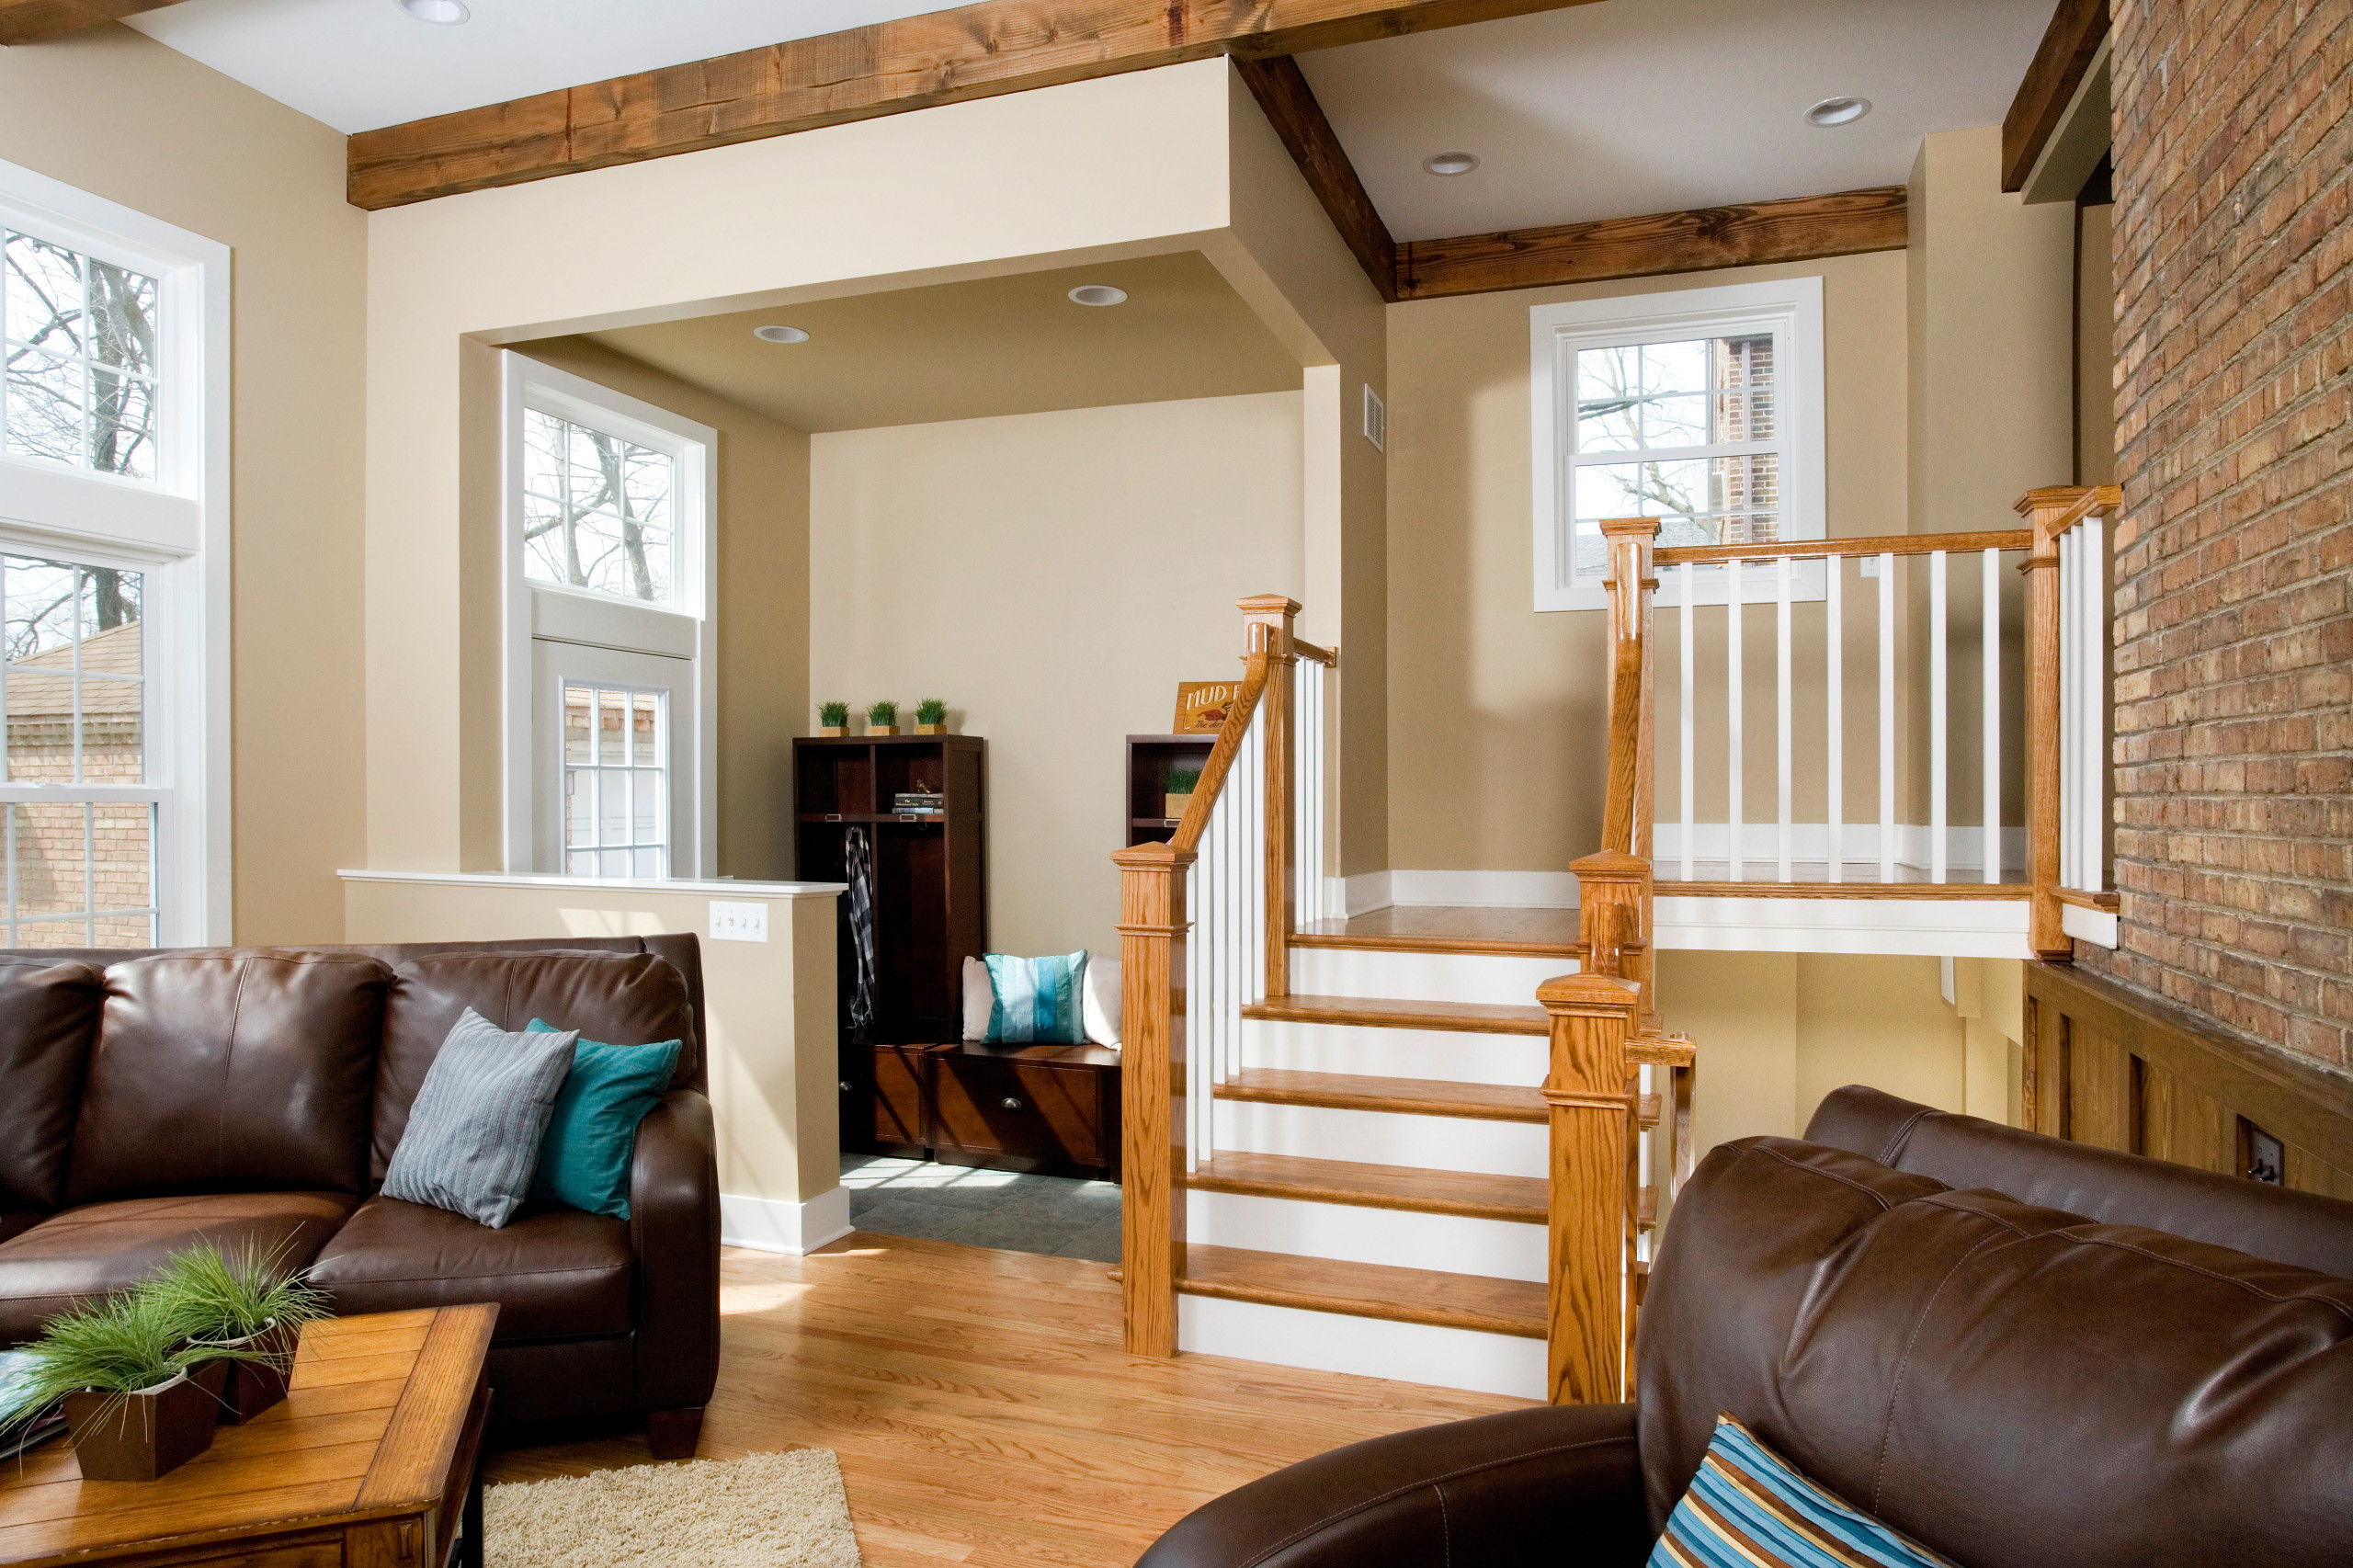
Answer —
(1747, 1508)
(857, 860)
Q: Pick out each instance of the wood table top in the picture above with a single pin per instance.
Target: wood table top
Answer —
(369, 1429)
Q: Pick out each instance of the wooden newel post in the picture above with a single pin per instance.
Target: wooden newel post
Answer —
(1591, 1110)
(2050, 512)
(1152, 923)
(1268, 626)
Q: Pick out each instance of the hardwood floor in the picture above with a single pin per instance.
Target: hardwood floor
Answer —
(983, 1410)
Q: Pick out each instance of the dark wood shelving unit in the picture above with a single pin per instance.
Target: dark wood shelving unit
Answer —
(1149, 759)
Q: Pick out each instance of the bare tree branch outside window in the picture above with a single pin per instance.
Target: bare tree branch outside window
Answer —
(1684, 432)
(80, 338)
(597, 510)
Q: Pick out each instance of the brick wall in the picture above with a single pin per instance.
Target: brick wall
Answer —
(2234, 560)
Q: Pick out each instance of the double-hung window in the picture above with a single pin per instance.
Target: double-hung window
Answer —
(113, 587)
(1700, 407)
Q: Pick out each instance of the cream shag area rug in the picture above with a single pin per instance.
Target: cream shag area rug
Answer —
(766, 1511)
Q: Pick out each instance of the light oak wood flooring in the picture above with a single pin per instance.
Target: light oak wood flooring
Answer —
(983, 1410)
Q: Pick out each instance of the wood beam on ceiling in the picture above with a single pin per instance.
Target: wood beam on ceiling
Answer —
(972, 51)
(1808, 228)
(2065, 54)
(1290, 106)
(29, 21)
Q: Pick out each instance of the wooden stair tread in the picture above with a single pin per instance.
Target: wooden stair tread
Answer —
(1467, 1017)
(1365, 1290)
(1405, 1096)
(1467, 1193)
(1435, 928)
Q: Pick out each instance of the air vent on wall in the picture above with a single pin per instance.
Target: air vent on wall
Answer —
(1376, 421)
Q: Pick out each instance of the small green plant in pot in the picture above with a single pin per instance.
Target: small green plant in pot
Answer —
(882, 719)
(931, 717)
(832, 718)
(138, 1402)
(248, 1302)
(1182, 782)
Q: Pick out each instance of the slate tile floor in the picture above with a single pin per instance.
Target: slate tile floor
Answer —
(1059, 1216)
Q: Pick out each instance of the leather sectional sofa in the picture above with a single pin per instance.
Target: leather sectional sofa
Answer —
(2123, 1361)
(150, 1100)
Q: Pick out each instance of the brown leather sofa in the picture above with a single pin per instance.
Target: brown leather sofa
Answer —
(152, 1099)
(2045, 1379)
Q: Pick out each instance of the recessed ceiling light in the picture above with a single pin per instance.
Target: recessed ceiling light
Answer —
(1098, 294)
(1838, 111)
(780, 334)
(1450, 163)
(446, 13)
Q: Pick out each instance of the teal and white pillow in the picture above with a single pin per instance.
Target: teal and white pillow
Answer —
(1037, 1001)
(1099, 1001)
(1748, 1507)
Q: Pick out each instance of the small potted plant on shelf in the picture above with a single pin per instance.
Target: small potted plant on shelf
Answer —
(1182, 782)
(138, 1402)
(833, 719)
(882, 719)
(247, 1305)
(931, 717)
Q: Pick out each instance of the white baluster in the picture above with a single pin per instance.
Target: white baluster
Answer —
(1733, 717)
(1937, 716)
(1989, 703)
(1200, 1114)
(1782, 661)
(2091, 567)
(1834, 708)
(1886, 718)
(1687, 720)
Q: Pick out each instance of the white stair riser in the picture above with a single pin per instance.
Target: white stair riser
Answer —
(1373, 1347)
(1423, 977)
(1453, 1243)
(1396, 1053)
(1384, 1138)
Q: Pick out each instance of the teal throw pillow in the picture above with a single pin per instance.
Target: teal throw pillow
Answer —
(1037, 1001)
(1749, 1508)
(584, 1158)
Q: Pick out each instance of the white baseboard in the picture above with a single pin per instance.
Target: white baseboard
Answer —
(771, 1225)
(1365, 892)
(2097, 926)
(1926, 927)
(1506, 890)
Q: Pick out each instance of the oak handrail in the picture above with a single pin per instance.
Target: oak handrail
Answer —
(2050, 512)
(1820, 548)
(1328, 657)
(1196, 820)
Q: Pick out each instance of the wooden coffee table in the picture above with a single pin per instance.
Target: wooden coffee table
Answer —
(371, 1462)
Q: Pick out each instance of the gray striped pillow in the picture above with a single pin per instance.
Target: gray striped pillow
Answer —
(474, 1132)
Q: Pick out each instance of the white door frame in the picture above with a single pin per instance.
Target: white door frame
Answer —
(558, 663)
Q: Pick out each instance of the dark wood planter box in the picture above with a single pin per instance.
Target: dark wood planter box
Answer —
(139, 1436)
(253, 1387)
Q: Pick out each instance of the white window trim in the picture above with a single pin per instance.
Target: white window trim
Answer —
(551, 611)
(175, 529)
(1791, 306)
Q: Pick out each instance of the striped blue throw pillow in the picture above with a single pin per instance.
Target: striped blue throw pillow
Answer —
(1037, 1001)
(474, 1130)
(1748, 1509)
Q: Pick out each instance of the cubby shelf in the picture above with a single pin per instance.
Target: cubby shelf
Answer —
(1149, 759)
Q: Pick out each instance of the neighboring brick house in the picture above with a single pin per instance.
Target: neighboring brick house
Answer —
(48, 867)
(2234, 558)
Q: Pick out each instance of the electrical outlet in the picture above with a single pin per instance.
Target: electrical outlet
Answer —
(733, 922)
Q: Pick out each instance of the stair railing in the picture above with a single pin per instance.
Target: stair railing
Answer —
(1204, 926)
(2067, 717)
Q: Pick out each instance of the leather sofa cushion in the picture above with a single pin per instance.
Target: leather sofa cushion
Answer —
(230, 1071)
(101, 1248)
(554, 1272)
(49, 1012)
(632, 999)
(2013, 1386)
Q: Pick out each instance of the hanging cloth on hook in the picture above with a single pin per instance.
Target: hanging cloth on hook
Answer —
(858, 859)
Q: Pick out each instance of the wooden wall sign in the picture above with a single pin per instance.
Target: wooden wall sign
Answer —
(1201, 704)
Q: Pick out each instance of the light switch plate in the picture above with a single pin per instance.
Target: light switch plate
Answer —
(736, 922)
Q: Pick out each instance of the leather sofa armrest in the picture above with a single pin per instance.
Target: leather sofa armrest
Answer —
(674, 1231)
(1560, 1486)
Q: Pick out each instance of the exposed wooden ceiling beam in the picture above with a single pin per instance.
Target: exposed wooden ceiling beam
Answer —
(2068, 46)
(29, 21)
(1805, 229)
(977, 51)
(1290, 106)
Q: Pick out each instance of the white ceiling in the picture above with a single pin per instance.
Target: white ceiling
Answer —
(1655, 105)
(1602, 110)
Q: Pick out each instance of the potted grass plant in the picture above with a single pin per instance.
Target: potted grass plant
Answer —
(1182, 782)
(882, 719)
(931, 717)
(833, 719)
(139, 1402)
(245, 1305)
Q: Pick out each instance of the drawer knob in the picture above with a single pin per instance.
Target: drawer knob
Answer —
(1012, 1104)
(845, 1085)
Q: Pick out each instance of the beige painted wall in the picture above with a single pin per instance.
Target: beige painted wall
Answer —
(121, 116)
(1052, 576)
(1495, 709)
(777, 1112)
(2096, 346)
(763, 599)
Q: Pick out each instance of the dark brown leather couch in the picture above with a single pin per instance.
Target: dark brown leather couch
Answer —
(2013, 1385)
(150, 1100)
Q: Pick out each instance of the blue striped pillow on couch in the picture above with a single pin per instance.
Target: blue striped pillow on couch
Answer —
(1748, 1507)
(1037, 1001)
